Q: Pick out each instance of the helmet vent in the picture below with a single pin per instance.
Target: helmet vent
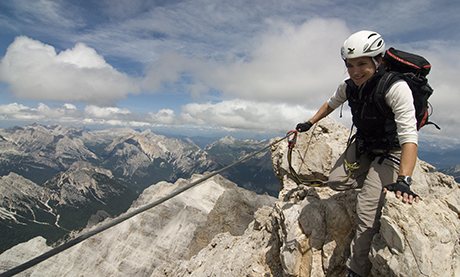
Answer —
(373, 34)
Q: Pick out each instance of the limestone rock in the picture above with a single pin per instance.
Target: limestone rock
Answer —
(254, 253)
(147, 243)
(23, 252)
(422, 239)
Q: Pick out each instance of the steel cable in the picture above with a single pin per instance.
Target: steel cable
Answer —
(126, 216)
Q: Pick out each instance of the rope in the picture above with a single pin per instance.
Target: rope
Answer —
(308, 146)
(292, 138)
(349, 167)
(126, 216)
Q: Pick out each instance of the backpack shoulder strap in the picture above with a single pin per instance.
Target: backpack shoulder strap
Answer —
(384, 84)
(350, 87)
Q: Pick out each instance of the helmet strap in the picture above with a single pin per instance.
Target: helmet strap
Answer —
(376, 63)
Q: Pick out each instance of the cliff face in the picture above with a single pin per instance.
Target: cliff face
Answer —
(217, 229)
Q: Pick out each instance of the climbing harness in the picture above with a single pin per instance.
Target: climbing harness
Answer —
(381, 154)
(126, 216)
(292, 140)
(351, 167)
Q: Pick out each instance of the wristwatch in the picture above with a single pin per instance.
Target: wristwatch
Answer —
(405, 179)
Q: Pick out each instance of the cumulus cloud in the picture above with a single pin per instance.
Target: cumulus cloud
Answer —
(12, 108)
(244, 114)
(68, 106)
(82, 56)
(299, 64)
(163, 116)
(287, 63)
(105, 112)
(15, 111)
(227, 115)
(166, 70)
(33, 70)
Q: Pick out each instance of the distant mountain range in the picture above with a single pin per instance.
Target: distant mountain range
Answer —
(55, 179)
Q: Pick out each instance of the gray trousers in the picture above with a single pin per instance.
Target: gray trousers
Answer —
(370, 177)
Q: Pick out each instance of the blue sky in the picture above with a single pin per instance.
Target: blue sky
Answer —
(206, 66)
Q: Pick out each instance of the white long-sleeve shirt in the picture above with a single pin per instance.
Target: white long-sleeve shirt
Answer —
(399, 99)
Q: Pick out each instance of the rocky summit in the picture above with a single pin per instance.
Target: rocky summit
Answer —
(317, 224)
(218, 229)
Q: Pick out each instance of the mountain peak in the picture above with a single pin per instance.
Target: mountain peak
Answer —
(227, 140)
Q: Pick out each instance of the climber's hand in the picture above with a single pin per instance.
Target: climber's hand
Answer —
(403, 190)
(303, 127)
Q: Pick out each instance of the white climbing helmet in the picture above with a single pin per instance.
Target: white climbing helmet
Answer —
(363, 44)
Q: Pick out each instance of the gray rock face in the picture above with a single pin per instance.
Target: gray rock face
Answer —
(19, 197)
(147, 244)
(63, 203)
(421, 239)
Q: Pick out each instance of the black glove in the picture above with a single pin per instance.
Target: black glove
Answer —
(402, 187)
(303, 127)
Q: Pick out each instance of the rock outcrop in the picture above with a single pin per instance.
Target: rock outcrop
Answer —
(215, 230)
(422, 239)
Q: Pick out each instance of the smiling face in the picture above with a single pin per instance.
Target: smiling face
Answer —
(360, 69)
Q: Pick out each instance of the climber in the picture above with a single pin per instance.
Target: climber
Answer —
(381, 156)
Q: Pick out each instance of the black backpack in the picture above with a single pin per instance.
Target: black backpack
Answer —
(413, 69)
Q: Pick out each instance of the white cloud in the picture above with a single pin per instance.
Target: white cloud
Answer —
(231, 115)
(163, 116)
(105, 112)
(243, 114)
(15, 111)
(34, 70)
(166, 70)
(82, 56)
(300, 64)
(13, 108)
(69, 106)
(287, 63)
